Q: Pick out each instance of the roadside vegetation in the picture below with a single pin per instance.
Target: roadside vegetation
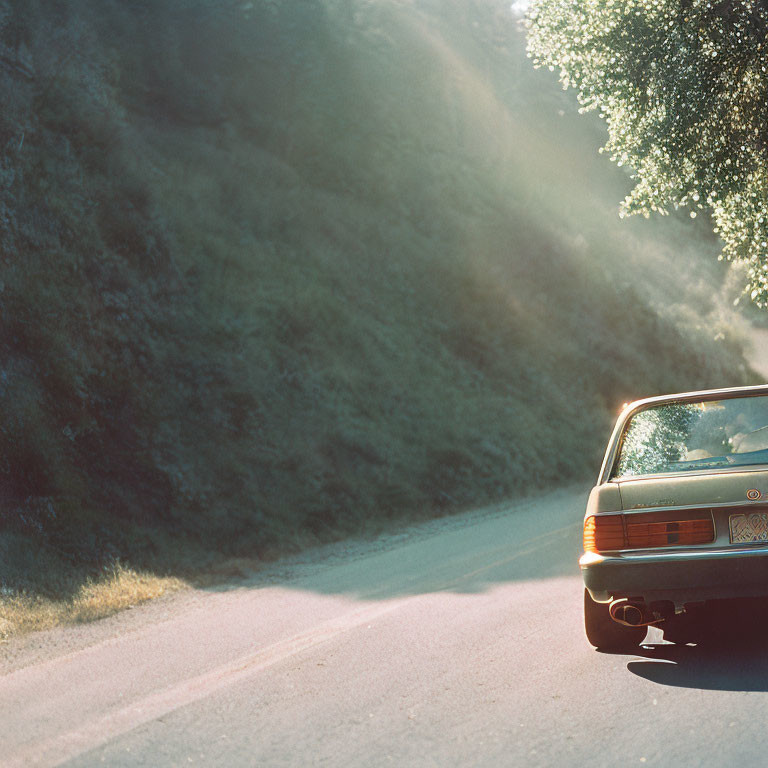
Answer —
(682, 88)
(278, 272)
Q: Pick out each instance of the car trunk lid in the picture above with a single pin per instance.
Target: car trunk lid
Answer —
(708, 490)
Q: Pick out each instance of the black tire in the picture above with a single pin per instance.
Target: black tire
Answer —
(605, 633)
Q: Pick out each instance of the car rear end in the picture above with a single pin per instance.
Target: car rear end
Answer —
(679, 516)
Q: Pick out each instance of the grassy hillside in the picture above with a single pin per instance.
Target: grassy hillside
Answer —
(277, 271)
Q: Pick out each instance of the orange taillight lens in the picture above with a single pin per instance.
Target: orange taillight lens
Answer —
(671, 533)
(606, 533)
(603, 533)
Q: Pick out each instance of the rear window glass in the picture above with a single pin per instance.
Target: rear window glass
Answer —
(683, 437)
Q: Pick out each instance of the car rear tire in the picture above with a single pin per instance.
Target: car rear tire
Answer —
(605, 633)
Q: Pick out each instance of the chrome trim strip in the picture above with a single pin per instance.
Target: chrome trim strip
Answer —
(691, 473)
(678, 555)
(712, 508)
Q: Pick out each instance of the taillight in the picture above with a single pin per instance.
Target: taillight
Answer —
(670, 533)
(602, 533)
(606, 533)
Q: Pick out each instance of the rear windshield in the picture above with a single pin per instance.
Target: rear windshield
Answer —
(683, 437)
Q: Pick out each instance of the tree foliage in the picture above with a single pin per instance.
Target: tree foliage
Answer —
(683, 87)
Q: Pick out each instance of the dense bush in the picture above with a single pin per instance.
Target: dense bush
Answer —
(272, 272)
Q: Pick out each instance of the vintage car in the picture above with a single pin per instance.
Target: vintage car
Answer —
(678, 520)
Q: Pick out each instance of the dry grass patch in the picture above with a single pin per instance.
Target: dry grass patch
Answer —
(97, 598)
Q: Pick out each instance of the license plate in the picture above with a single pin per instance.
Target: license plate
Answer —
(748, 528)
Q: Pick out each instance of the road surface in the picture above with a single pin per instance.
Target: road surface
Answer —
(458, 643)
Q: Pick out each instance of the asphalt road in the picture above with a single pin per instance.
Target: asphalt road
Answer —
(459, 643)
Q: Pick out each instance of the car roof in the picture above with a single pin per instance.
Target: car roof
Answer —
(702, 394)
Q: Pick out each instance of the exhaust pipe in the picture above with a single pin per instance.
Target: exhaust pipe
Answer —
(633, 614)
(627, 613)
